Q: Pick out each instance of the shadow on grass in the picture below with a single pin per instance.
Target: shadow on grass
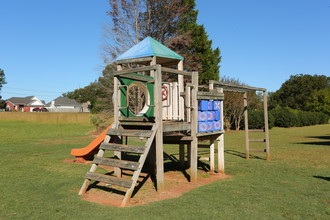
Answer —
(322, 143)
(322, 177)
(242, 155)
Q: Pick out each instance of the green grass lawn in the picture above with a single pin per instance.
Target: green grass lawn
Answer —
(295, 184)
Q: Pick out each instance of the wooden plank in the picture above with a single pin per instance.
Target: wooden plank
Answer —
(256, 130)
(221, 154)
(209, 97)
(257, 150)
(181, 89)
(187, 103)
(180, 126)
(129, 133)
(140, 119)
(134, 70)
(137, 78)
(212, 155)
(210, 93)
(234, 86)
(175, 102)
(257, 140)
(201, 134)
(137, 124)
(179, 72)
(109, 179)
(131, 165)
(123, 148)
(135, 60)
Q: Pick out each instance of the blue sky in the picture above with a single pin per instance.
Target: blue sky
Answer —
(51, 47)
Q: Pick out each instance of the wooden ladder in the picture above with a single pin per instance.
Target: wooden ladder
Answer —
(110, 145)
(265, 140)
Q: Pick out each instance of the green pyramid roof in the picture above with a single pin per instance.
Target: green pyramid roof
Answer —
(149, 47)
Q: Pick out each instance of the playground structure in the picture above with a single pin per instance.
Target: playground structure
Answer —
(178, 111)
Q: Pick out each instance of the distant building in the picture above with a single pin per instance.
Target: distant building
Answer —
(24, 104)
(64, 104)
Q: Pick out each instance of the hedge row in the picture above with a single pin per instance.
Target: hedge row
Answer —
(285, 117)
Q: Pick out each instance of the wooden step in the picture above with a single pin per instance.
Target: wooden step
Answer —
(131, 165)
(256, 130)
(133, 123)
(129, 132)
(257, 150)
(123, 148)
(109, 179)
(257, 140)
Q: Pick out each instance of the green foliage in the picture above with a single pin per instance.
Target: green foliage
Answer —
(198, 52)
(2, 79)
(320, 101)
(302, 92)
(287, 117)
(256, 120)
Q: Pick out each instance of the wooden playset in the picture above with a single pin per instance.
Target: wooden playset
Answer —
(156, 100)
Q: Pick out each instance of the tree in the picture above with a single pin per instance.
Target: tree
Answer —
(297, 92)
(2, 79)
(172, 22)
(319, 101)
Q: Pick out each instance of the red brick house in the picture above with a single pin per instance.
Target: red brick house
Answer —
(24, 104)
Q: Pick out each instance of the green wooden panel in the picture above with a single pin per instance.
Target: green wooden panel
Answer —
(123, 92)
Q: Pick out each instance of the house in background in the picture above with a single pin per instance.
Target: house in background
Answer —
(24, 104)
(64, 104)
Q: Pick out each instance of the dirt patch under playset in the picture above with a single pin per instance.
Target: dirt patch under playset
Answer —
(176, 183)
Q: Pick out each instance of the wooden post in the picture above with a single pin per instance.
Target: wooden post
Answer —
(153, 62)
(159, 127)
(266, 125)
(246, 127)
(181, 89)
(194, 125)
(181, 155)
(221, 154)
(118, 154)
(212, 155)
(211, 87)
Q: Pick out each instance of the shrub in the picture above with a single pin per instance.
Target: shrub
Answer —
(256, 120)
(284, 117)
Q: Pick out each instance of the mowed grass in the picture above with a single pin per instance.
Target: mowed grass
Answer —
(295, 184)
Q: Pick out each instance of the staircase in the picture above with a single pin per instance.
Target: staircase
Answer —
(112, 142)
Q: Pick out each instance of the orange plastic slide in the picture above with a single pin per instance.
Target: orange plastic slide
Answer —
(88, 151)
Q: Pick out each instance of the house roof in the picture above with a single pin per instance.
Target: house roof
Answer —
(64, 101)
(149, 47)
(22, 100)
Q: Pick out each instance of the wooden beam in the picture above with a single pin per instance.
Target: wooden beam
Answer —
(240, 88)
(266, 126)
(138, 78)
(221, 154)
(194, 125)
(212, 155)
(159, 127)
(179, 72)
(246, 127)
(135, 60)
(134, 70)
